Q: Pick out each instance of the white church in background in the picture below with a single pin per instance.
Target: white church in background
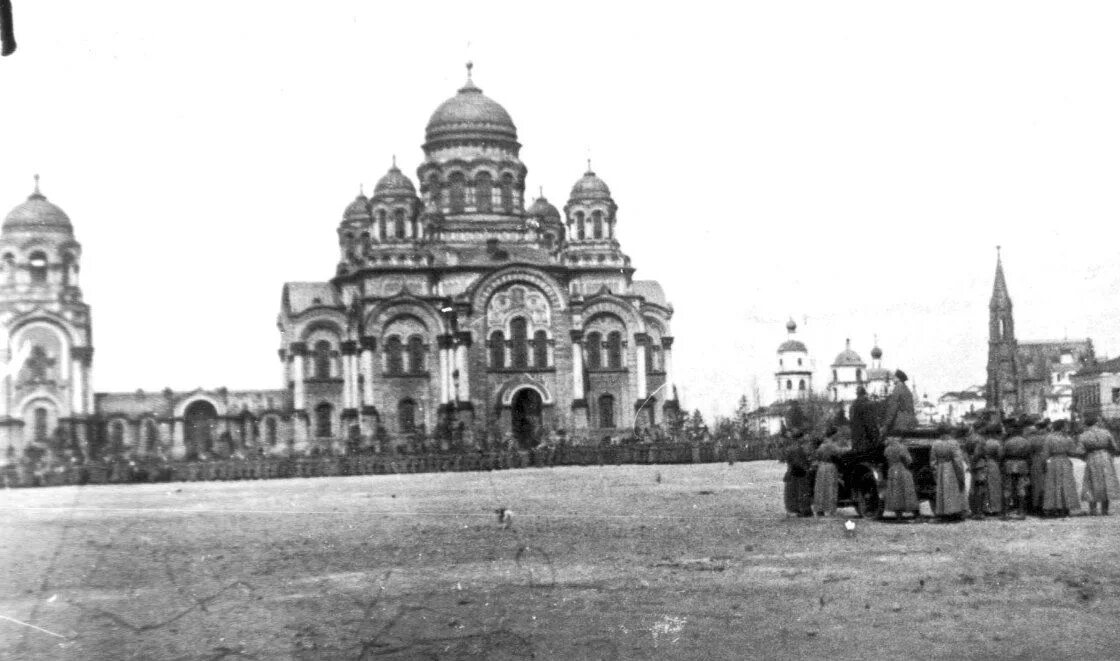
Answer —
(849, 372)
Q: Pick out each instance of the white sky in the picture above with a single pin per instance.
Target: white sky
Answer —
(852, 163)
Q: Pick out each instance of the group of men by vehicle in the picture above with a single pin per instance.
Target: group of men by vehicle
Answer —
(997, 467)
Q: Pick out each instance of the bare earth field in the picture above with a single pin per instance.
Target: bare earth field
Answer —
(601, 563)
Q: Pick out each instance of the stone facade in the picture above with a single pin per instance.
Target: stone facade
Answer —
(454, 312)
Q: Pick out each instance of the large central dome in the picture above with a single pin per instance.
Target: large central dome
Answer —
(470, 117)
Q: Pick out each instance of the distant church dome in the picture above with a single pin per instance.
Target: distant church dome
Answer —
(542, 208)
(470, 116)
(37, 215)
(394, 183)
(590, 187)
(847, 357)
(792, 344)
(876, 353)
(358, 209)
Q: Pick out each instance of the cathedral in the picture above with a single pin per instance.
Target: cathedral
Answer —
(1028, 377)
(456, 310)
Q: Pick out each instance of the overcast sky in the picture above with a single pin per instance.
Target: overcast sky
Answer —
(850, 164)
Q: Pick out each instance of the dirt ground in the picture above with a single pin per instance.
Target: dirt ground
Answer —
(630, 562)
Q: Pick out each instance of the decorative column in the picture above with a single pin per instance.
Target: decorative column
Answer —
(178, 440)
(444, 342)
(462, 350)
(285, 369)
(77, 385)
(667, 356)
(641, 341)
(349, 376)
(369, 346)
(578, 396)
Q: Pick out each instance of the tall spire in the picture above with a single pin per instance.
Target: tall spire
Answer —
(1000, 297)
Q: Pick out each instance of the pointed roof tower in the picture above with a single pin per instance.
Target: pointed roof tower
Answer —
(1000, 298)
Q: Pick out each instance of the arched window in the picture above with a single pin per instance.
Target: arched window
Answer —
(548, 240)
(364, 248)
(42, 419)
(859, 375)
(433, 190)
(540, 349)
(519, 343)
(789, 384)
(394, 356)
(594, 346)
(579, 226)
(597, 224)
(116, 435)
(323, 420)
(151, 435)
(415, 354)
(38, 264)
(381, 225)
(270, 430)
(398, 223)
(834, 376)
(606, 411)
(406, 415)
(614, 350)
(799, 362)
(497, 350)
(483, 192)
(801, 385)
(507, 193)
(67, 266)
(322, 359)
(458, 199)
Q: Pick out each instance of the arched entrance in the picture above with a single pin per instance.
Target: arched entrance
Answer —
(525, 410)
(199, 423)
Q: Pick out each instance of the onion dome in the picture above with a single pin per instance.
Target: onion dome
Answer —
(470, 116)
(847, 357)
(791, 326)
(543, 209)
(358, 209)
(590, 187)
(394, 183)
(876, 352)
(37, 215)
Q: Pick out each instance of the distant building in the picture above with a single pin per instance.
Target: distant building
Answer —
(1096, 390)
(849, 372)
(1028, 377)
(960, 407)
(795, 373)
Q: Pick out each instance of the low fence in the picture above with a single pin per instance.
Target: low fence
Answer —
(266, 468)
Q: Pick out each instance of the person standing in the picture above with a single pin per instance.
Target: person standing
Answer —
(1099, 483)
(1016, 472)
(902, 497)
(864, 425)
(974, 451)
(993, 487)
(947, 462)
(1060, 488)
(1036, 440)
(798, 483)
(900, 416)
(826, 485)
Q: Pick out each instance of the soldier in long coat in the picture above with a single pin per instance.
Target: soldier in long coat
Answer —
(826, 486)
(993, 487)
(1061, 498)
(947, 462)
(1099, 484)
(974, 452)
(864, 423)
(901, 497)
(1036, 440)
(1016, 472)
(900, 416)
(798, 482)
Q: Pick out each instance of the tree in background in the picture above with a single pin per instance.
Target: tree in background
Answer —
(695, 429)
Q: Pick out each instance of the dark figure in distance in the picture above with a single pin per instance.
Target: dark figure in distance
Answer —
(865, 428)
(900, 415)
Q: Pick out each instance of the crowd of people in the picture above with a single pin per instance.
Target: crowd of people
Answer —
(1006, 469)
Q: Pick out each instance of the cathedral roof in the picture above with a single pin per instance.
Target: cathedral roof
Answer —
(358, 209)
(1000, 297)
(590, 187)
(792, 345)
(299, 296)
(470, 116)
(37, 214)
(394, 183)
(651, 291)
(848, 358)
(542, 208)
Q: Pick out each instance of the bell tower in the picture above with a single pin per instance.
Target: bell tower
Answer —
(1003, 369)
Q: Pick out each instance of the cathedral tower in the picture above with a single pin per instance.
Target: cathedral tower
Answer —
(45, 343)
(1003, 376)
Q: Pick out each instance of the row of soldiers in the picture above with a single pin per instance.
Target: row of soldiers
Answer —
(1016, 468)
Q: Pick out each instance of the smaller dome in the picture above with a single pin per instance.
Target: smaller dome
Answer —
(876, 352)
(792, 345)
(791, 325)
(394, 183)
(358, 209)
(848, 358)
(590, 187)
(543, 209)
(37, 215)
